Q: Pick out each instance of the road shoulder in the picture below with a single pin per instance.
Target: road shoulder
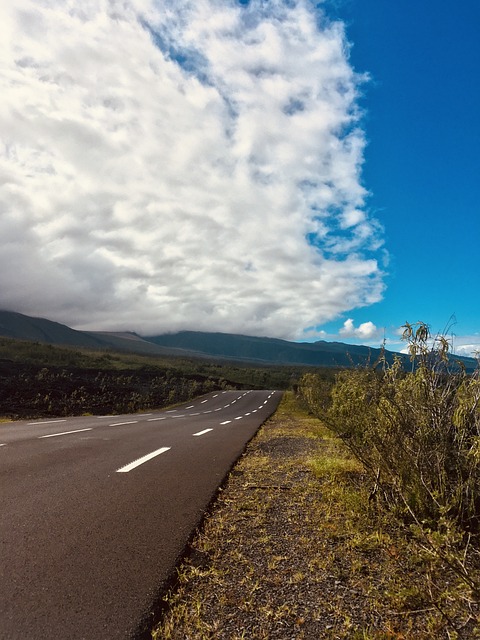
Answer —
(291, 550)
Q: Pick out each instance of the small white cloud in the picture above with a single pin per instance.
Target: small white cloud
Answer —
(351, 218)
(365, 331)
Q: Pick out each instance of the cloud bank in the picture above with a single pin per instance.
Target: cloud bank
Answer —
(182, 165)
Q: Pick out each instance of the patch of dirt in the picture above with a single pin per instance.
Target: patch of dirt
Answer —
(282, 446)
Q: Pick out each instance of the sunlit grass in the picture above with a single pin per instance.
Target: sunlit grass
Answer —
(336, 466)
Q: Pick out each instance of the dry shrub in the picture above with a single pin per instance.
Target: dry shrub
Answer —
(417, 434)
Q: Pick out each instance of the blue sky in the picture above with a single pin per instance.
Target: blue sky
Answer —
(284, 168)
(422, 164)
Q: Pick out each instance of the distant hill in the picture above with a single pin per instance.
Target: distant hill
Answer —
(17, 325)
(274, 351)
(267, 350)
(22, 327)
(219, 346)
(126, 341)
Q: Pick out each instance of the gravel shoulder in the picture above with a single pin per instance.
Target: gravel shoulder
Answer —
(292, 549)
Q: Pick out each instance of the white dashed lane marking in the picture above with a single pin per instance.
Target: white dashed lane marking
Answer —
(64, 433)
(149, 456)
(139, 461)
(201, 433)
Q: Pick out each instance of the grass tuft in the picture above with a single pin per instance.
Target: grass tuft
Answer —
(336, 467)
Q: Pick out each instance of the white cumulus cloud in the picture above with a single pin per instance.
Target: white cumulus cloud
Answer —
(182, 165)
(467, 346)
(364, 331)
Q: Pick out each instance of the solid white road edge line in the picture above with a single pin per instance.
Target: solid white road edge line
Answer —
(64, 433)
(200, 433)
(137, 463)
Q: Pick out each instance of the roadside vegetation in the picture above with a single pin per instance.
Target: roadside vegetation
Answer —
(354, 514)
(417, 437)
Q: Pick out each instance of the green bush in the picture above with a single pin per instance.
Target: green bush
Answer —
(417, 433)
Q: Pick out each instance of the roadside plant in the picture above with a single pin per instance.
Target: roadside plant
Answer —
(416, 431)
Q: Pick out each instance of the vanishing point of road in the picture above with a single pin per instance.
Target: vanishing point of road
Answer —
(96, 511)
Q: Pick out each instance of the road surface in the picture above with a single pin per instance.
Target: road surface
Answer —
(96, 511)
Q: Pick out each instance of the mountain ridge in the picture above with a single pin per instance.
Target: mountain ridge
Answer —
(198, 344)
(266, 350)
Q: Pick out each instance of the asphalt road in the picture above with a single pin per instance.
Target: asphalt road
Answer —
(96, 511)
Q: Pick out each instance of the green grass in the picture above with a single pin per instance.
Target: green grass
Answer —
(335, 466)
